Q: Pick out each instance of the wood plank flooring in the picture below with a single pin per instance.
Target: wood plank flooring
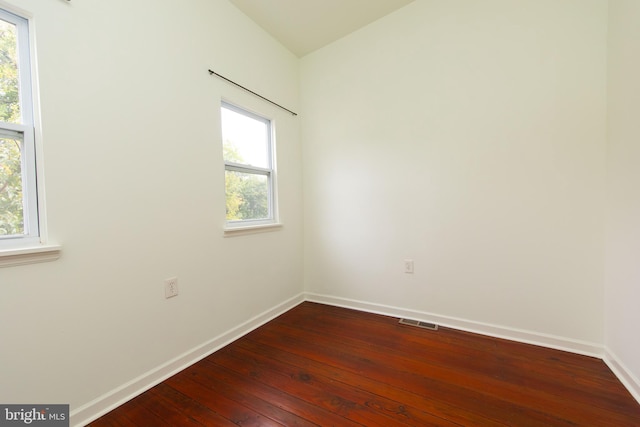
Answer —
(319, 365)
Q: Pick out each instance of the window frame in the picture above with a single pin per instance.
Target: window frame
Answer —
(25, 130)
(32, 246)
(269, 172)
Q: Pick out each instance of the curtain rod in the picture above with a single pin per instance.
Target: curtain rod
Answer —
(252, 92)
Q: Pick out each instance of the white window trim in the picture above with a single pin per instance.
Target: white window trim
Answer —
(251, 229)
(32, 248)
(29, 255)
(251, 226)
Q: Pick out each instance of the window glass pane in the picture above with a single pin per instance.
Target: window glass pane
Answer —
(11, 207)
(245, 139)
(9, 87)
(247, 196)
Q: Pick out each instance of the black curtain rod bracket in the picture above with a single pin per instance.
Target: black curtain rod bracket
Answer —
(251, 92)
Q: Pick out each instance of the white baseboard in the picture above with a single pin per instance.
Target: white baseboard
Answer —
(528, 337)
(625, 376)
(109, 401)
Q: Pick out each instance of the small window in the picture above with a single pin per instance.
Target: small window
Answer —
(249, 167)
(18, 190)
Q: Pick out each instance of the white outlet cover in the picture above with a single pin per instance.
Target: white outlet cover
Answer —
(408, 266)
(171, 287)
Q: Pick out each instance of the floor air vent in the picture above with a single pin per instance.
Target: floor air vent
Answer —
(419, 324)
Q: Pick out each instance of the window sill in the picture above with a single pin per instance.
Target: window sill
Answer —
(251, 229)
(29, 255)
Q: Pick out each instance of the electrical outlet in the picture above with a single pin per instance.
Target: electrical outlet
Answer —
(408, 266)
(171, 287)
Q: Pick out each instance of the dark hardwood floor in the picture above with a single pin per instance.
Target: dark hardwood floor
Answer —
(328, 366)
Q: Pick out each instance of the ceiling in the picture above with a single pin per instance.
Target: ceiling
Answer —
(306, 25)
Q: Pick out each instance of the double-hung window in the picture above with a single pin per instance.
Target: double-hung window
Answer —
(249, 167)
(18, 191)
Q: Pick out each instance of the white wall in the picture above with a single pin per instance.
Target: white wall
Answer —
(135, 194)
(470, 137)
(622, 312)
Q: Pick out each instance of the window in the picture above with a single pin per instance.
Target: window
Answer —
(18, 191)
(249, 171)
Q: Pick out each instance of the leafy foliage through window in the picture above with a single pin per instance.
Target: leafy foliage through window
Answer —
(247, 150)
(11, 210)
